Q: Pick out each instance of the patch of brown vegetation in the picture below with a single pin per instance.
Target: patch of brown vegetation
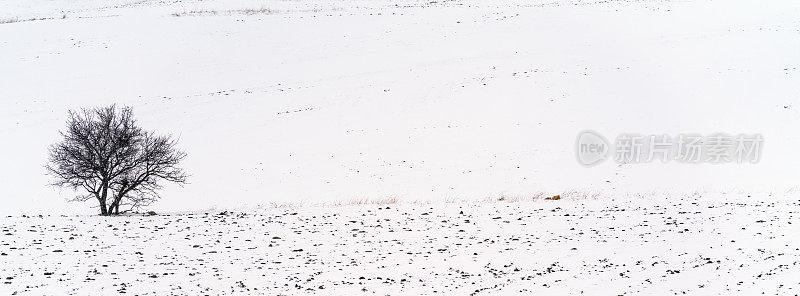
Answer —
(248, 11)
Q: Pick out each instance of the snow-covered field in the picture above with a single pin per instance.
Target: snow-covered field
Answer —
(335, 100)
(446, 106)
(682, 245)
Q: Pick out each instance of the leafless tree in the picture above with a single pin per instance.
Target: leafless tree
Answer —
(105, 153)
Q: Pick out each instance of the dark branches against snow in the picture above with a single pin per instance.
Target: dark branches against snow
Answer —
(105, 153)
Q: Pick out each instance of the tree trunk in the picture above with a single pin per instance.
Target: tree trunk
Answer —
(103, 210)
(113, 208)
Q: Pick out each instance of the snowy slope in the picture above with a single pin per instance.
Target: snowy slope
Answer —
(335, 100)
(288, 108)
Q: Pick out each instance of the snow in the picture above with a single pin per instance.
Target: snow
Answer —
(642, 246)
(319, 102)
(334, 100)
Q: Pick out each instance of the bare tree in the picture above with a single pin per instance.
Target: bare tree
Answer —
(105, 153)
